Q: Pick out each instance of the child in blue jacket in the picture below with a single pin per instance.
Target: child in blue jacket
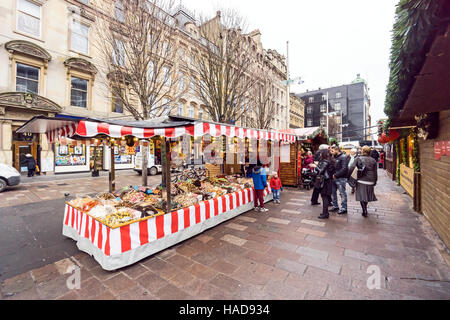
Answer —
(259, 184)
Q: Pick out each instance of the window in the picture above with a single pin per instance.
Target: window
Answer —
(80, 37)
(311, 99)
(193, 85)
(323, 121)
(200, 114)
(27, 78)
(182, 83)
(29, 17)
(119, 12)
(151, 71)
(309, 122)
(119, 53)
(78, 92)
(324, 97)
(84, 1)
(165, 106)
(282, 95)
(309, 109)
(337, 106)
(167, 79)
(323, 108)
(338, 95)
(180, 109)
(191, 112)
(117, 104)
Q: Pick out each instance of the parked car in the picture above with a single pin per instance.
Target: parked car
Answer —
(9, 177)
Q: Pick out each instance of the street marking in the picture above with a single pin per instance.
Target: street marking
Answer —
(279, 221)
(248, 219)
(295, 203)
(313, 223)
(312, 232)
(233, 240)
(290, 211)
(236, 226)
(300, 200)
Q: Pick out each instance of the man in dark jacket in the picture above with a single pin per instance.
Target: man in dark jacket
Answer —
(339, 180)
(316, 192)
(31, 164)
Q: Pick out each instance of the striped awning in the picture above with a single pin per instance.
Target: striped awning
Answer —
(90, 129)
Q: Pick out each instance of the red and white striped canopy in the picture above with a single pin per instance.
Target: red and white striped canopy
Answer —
(90, 129)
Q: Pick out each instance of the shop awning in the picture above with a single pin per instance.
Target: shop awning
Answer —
(303, 133)
(170, 127)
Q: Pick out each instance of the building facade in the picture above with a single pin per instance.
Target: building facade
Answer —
(50, 66)
(349, 105)
(297, 112)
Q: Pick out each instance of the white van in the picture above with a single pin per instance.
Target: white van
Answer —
(9, 177)
(152, 168)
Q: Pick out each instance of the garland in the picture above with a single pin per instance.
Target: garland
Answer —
(415, 151)
(405, 152)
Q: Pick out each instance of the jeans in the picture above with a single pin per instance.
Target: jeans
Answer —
(339, 184)
(276, 194)
(259, 198)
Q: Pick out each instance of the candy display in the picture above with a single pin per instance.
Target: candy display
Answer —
(134, 203)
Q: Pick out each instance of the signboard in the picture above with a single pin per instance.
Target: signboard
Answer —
(441, 148)
(407, 179)
(285, 153)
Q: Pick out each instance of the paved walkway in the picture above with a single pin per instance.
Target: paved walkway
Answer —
(52, 187)
(286, 253)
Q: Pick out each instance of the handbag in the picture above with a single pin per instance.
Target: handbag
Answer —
(354, 174)
(319, 181)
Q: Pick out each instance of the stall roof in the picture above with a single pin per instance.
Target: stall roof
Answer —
(303, 133)
(169, 126)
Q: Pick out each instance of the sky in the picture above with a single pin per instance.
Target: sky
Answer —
(330, 41)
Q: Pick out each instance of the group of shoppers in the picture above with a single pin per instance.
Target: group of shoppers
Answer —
(334, 169)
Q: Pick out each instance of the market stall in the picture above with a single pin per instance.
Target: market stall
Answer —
(307, 139)
(119, 228)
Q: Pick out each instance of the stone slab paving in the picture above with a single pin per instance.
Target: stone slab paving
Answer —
(286, 253)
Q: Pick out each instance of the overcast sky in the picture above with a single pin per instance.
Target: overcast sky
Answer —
(330, 41)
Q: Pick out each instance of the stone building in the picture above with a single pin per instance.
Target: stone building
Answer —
(297, 119)
(51, 67)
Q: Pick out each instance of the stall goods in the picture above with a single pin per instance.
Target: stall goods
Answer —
(133, 203)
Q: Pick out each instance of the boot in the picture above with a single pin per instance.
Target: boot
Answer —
(364, 208)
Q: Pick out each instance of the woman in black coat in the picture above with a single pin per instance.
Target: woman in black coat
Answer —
(367, 179)
(31, 164)
(325, 171)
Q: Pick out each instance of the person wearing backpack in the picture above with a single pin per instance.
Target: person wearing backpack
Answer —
(325, 170)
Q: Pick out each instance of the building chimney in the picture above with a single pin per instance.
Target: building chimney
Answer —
(218, 14)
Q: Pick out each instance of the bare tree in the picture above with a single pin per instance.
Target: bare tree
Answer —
(223, 66)
(260, 97)
(137, 45)
(137, 42)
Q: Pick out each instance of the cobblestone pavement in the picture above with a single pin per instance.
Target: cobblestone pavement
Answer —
(286, 253)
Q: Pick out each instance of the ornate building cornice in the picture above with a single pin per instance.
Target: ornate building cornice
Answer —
(80, 64)
(30, 101)
(28, 48)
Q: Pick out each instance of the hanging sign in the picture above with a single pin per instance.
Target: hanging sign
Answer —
(441, 148)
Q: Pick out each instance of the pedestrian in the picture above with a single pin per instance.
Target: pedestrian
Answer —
(374, 154)
(382, 155)
(259, 184)
(309, 159)
(325, 170)
(31, 164)
(316, 191)
(276, 186)
(367, 179)
(339, 180)
(351, 167)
